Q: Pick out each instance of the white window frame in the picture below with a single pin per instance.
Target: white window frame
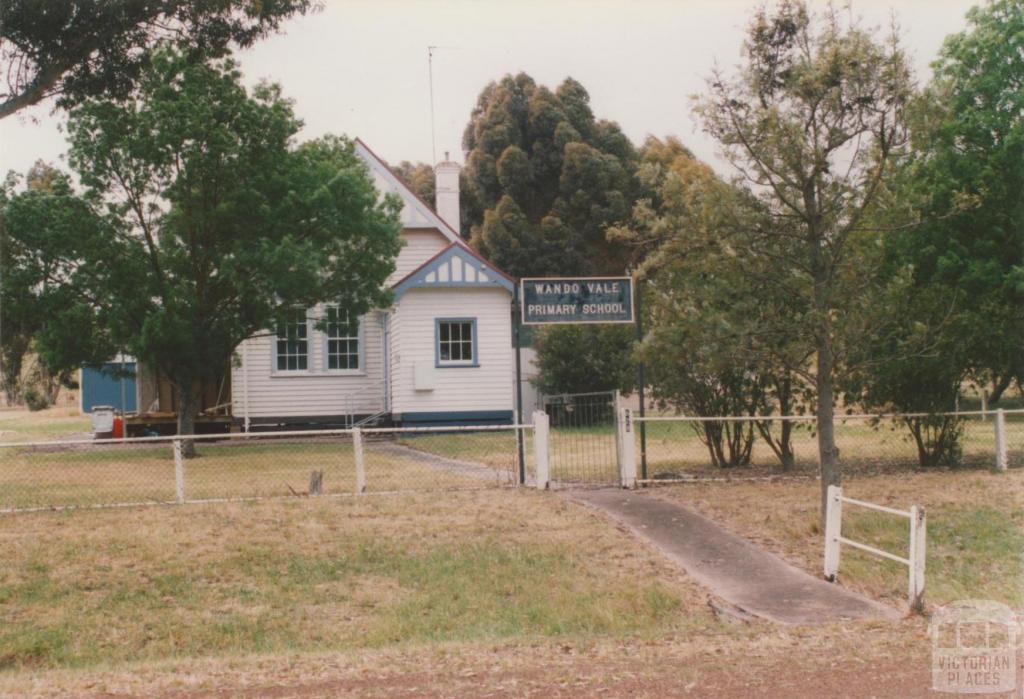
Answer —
(474, 344)
(360, 338)
(275, 355)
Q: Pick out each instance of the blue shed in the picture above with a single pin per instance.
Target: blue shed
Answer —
(105, 386)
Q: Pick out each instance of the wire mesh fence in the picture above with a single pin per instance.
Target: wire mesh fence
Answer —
(582, 438)
(687, 447)
(414, 459)
(84, 473)
(581, 451)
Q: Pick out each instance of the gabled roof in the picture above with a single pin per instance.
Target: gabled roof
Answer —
(458, 265)
(416, 213)
(422, 215)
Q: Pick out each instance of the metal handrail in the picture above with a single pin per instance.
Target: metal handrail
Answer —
(262, 435)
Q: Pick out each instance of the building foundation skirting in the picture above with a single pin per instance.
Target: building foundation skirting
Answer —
(455, 417)
(414, 419)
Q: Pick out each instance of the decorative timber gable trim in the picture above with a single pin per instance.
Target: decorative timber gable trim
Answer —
(455, 266)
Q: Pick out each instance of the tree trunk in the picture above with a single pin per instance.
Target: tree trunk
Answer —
(11, 364)
(999, 386)
(188, 408)
(11, 385)
(828, 455)
(48, 383)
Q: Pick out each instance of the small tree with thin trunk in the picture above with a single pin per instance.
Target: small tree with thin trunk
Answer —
(810, 123)
(212, 226)
(712, 312)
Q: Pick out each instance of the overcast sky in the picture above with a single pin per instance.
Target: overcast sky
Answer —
(359, 67)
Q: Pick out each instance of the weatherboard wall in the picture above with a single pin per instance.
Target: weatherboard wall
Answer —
(420, 246)
(317, 392)
(484, 388)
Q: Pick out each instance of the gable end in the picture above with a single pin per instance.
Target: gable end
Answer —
(455, 266)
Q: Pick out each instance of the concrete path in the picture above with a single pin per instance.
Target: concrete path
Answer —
(470, 469)
(732, 568)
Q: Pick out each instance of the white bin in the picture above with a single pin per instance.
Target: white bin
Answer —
(102, 421)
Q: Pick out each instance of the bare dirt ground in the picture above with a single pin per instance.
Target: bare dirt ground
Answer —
(841, 661)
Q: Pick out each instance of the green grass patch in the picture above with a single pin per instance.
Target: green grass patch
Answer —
(972, 552)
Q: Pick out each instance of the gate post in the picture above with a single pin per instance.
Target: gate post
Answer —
(1000, 424)
(627, 449)
(541, 451)
(357, 455)
(918, 532)
(179, 473)
(833, 528)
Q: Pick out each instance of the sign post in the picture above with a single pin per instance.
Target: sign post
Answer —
(517, 326)
(579, 300)
(641, 382)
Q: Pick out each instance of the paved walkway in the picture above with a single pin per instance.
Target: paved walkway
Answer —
(470, 469)
(732, 568)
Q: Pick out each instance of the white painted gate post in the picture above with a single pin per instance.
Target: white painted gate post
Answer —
(833, 529)
(179, 473)
(541, 449)
(918, 536)
(1000, 424)
(357, 456)
(627, 449)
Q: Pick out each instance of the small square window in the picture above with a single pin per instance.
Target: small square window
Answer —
(456, 340)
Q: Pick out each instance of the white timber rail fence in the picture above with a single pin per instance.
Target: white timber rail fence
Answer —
(915, 561)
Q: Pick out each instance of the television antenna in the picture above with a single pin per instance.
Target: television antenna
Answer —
(430, 74)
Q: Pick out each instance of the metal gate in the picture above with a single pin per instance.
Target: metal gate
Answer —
(582, 438)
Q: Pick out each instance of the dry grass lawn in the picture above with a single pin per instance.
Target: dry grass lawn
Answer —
(673, 448)
(20, 425)
(77, 475)
(975, 528)
(842, 660)
(503, 593)
(109, 587)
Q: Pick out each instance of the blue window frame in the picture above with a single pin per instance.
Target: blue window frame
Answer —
(291, 347)
(455, 343)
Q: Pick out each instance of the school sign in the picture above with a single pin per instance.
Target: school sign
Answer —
(577, 300)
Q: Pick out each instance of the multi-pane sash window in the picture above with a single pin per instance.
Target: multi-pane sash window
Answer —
(455, 340)
(342, 340)
(293, 342)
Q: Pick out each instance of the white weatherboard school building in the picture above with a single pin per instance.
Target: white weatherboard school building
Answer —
(442, 354)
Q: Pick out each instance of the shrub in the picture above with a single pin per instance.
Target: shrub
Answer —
(35, 400)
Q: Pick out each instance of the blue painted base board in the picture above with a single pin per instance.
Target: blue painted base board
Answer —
(458, 417)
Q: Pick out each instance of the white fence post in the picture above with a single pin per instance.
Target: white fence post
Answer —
(918, 537)
(1000, 424)
(627, 449)
(833, 528)
(357, 455)
(541, 451)
(179, 473)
